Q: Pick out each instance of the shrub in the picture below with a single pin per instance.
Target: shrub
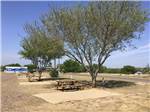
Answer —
(74, 66)
(103, 69)
(54, 73)
(146, 69)
(113, 70)
(2, 68)
(31, 67)
(128, 69)
(61, 67)
(16, 64)
(71, 66)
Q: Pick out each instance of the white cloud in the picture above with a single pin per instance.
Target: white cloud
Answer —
(137, 57)
(140, 50)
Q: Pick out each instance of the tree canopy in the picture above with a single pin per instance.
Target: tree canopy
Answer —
(39, 47)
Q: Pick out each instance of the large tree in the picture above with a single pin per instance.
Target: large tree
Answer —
(91, 33)
(39, 47)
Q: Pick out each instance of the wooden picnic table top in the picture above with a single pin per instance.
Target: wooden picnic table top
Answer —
(68, 84)
(66, 81)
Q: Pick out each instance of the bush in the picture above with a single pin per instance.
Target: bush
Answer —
(146, 69)
(71, 66)
(2, 68)
(54, 73)
(128, 69)
(14, 65)
(113, 70)
(103, 69)
(31, 67)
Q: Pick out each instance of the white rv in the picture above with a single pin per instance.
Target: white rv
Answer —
(9, 69)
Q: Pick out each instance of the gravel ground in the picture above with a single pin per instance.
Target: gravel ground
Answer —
(13, 98)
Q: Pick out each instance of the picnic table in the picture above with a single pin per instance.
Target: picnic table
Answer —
(68, 85)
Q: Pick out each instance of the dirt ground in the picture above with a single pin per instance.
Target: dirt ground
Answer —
(19, 98)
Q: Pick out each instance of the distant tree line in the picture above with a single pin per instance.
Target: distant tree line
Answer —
(2, 68)
(74, 66)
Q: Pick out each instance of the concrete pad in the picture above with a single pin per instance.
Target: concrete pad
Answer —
(21, 77)
(58, 97)
(24, 77)
(142, 83)
(37, 83)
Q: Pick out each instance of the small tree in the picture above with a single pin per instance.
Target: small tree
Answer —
(93, 32)
(40, 47)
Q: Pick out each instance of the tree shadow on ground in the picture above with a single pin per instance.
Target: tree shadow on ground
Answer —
(114, 84)
(56, 78)
(88, 84)
(106, 84)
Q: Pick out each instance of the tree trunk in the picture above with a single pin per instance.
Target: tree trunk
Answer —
(94, 76)
(54, 63)
(29, 78)
(28, 75)
(94, 81)
(40, 75)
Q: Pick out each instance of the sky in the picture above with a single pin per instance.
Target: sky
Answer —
(15, 14)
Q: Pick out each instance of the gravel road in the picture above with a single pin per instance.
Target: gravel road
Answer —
(14, 99)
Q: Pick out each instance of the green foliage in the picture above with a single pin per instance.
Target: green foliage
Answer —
(61, 68)
(2, 68)
(71, 66)
(146, 69)
(54, 73)
(14, 65)
(39, 47)
(74, 66)
(31, 67)
(128, 69)
(101, 70)
(113, 70)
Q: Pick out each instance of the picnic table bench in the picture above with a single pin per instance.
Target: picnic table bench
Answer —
(68, 85)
